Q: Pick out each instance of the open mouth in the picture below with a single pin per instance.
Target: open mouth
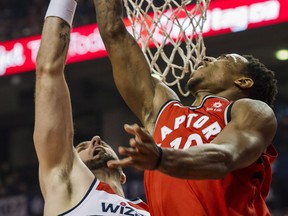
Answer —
(97, 151)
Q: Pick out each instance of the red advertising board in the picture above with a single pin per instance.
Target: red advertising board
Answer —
(223, 16)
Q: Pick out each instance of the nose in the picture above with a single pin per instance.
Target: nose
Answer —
(96, 140)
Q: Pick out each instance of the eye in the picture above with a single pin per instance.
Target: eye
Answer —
(208, 59)
(80, 148)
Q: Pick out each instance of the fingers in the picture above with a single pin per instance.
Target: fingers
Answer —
(129, 129)
(119, 163)
(142, 153)
(127, 151)
(140, 147)
(136, 149)
(139, 132)
(132, 161)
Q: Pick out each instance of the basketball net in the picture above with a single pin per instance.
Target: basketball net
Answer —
(156, 24)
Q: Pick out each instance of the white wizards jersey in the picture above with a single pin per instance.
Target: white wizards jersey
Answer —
(100, 200)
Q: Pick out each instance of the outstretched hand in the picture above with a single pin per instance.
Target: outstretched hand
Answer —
(142, 154)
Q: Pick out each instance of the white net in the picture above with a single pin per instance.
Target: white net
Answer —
(179, 23)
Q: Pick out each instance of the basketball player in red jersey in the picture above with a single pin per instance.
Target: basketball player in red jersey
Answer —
(68, 186)
(215, 156)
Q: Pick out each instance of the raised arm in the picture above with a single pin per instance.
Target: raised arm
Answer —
(241, 143)
(53, 132)
(143, 94)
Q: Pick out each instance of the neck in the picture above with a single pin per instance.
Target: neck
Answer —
(199, 97)
(111, 178)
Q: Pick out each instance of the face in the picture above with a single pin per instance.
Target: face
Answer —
(95, 153)
(216, 75)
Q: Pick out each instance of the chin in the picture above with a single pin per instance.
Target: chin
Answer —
(99, 163)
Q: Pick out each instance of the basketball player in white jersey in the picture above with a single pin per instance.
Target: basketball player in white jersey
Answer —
(68, 186)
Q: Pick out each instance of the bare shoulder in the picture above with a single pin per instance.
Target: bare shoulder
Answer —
(254, 112)
(252, 106)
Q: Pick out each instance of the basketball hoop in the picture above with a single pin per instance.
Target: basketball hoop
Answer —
(170, 35)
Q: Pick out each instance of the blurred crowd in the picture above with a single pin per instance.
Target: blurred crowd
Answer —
(19, 191)
(25, 18)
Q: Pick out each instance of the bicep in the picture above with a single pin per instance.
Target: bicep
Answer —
(53, 130)
(247, 135)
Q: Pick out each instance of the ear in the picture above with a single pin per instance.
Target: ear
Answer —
(244, 82)
(122, 178)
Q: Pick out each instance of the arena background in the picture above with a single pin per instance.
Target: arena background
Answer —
(98, 108)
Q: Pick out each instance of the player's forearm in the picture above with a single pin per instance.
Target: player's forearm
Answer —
(109, 18)
(200, 162)
(54, 45)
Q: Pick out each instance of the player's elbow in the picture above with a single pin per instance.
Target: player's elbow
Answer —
(48, 67)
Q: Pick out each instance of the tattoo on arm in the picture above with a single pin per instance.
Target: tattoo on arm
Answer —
(64, 35)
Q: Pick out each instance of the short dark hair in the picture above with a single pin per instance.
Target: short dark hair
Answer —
(265, 83)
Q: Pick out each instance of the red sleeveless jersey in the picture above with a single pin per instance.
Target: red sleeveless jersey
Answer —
(242, 192)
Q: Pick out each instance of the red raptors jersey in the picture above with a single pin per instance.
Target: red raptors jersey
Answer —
(242, 192)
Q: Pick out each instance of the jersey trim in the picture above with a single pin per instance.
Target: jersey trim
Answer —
(162, 109)
(87, 193)
(135, 200)
(204, 100)
(227, 114)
